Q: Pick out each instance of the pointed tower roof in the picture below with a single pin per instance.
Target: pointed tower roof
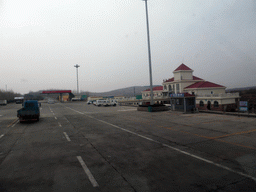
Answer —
(183, 67)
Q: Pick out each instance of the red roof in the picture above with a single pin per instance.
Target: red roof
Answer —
(194, 78)
(188, 95)
(183, 67)
(59, 91)
(170, 80)
(203, 84)
(159, 88)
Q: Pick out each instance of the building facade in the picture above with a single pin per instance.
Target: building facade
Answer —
(208, 95)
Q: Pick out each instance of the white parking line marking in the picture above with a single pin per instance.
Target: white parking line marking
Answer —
(55, 117)
(66, 135)
(176, 149)
(127, 110)
(75, 110)
(15, 123)
(1, 136)
(59, 124)
(88, 172)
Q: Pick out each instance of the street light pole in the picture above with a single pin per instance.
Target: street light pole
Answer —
(76, 66)
(149, 55)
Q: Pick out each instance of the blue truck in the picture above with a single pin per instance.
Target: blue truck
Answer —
(30, 111)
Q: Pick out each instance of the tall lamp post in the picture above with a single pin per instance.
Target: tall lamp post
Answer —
(149, 55)
(76, 66)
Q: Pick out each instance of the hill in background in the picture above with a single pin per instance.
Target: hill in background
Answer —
(241, 89)
(127, 92)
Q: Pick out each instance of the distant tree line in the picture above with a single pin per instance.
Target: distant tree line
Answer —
(34, 96)
(8, 95)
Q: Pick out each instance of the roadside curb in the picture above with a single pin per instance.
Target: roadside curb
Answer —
(229, 113)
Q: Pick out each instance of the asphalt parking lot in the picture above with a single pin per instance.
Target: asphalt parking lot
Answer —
(126, 150)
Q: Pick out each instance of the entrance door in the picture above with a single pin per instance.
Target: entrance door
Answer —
(209, 105)
(173, 104)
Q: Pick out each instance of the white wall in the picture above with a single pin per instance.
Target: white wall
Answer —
(222, 101)
(183, 75)
(208, 91)
(186, 75)
(176, 76)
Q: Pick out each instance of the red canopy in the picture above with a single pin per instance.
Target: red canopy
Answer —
(59, 91)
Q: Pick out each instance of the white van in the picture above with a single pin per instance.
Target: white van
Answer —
(100, 102)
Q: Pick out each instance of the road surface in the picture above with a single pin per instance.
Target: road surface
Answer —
(80, 147)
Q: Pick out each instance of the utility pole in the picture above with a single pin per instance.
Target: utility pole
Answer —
(149, 55)
(76, 66)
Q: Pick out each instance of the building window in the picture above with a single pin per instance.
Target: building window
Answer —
(216, 104)
(165, 87)
(178, 88)
(211, 92)
(170, 88)
(209, 105)
(201, 104)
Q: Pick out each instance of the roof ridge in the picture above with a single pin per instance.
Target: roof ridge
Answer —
(183, 67)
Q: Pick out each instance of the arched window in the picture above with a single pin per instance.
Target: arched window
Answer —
(209, 105)
(216, 104)
(201, 103)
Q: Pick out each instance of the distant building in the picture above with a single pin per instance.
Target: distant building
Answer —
(184, 85)
(157, 91)
(94, 98)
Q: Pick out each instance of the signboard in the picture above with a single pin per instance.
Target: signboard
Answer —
(177, 95)
(243, 103)
(243, 109)
(138, 96)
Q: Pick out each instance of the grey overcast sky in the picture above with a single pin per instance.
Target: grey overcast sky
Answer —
(41, 41)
